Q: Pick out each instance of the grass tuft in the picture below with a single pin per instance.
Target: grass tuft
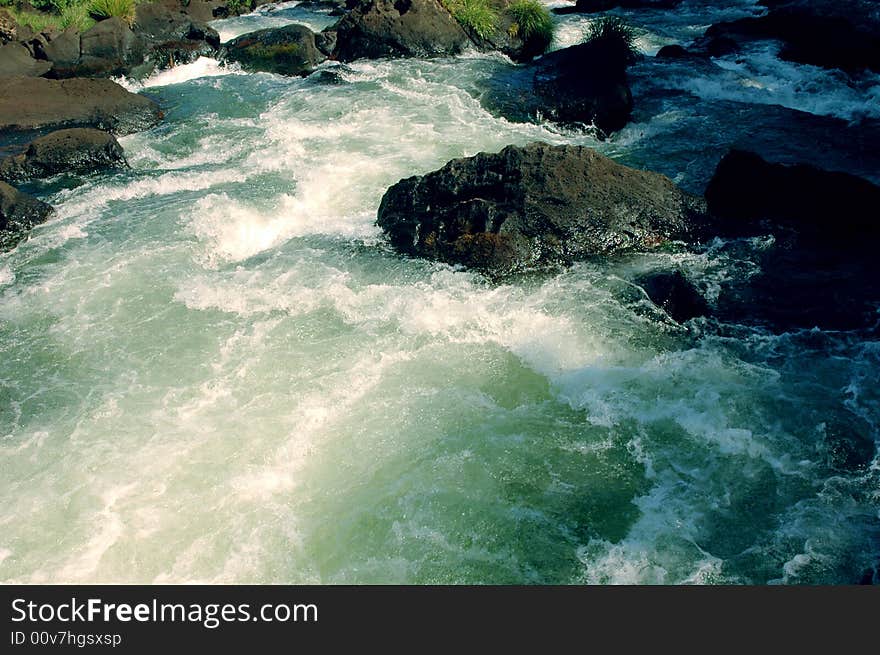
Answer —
(103, 9)
(615, 37)
(476, 15)
(531, 20)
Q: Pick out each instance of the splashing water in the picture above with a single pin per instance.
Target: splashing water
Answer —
(212, 368)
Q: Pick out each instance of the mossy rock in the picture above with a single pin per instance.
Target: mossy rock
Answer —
(288, 50)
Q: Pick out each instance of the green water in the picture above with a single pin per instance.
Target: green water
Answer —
(214, 369)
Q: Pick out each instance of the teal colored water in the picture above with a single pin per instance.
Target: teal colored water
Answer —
(213, 368)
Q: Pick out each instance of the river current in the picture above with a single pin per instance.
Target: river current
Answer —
(213, 368)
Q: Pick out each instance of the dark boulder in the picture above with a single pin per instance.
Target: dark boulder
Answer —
(61, 50)
(584, 84)
(535, 206)
(288, 50)
(18, 213)
(159, 23)
(108, 48)
(173, 35)
(16, 59)
(674, 294)
(31, 103)
(76, 150)
(808, 36)
(821, 268)
(674, 51)
(831, 208)
(398, 28)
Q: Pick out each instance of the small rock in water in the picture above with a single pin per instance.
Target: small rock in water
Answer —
(18, 213)
(534, 206)
(288, 50)
(674, 294)
(76, 150)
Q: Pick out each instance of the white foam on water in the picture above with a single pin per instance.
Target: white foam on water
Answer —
(760, 77)
(269, 16)
(109, 528)
(7, 275)
(200, 68)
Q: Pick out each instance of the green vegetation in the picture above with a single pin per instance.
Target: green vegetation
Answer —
(74, 14)
(102, 9)
(531, 20)
(476, 15)
(238, 7)
(615, 37)
(51, 14)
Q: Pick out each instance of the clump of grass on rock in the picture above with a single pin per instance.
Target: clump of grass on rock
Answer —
(103, 9)
(615, 39)
(531, 20)
(477, 15)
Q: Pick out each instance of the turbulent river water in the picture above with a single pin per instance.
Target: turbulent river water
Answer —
(213, 368)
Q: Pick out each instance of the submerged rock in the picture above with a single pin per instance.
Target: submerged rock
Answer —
(582, 85)
(534, 206)
(77, 150)
(828, 207)
(821, 268)
(585, 84)
(398, 28)
(675, 294)
(18, 213)
(30, 103)
(173, 37)
(288, 50)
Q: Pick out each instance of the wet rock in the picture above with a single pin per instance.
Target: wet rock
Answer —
(534, 206)
(674, 52)
(675, 294)
(398, 28)
(288, 50)
(821, 269)
(18, 213)
(76, 150)
(207, 10)
(61, 49)
(829, 208)
(584, 84)
(31, 103)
